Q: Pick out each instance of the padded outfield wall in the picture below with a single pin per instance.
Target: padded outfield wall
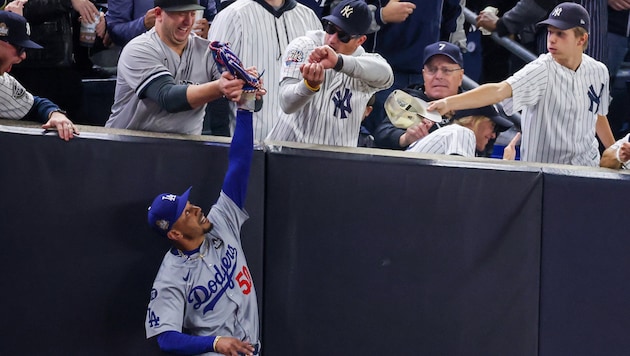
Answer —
(353, 251)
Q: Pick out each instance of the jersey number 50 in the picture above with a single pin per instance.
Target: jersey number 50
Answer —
(244, 279)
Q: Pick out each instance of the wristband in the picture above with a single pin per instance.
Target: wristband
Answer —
(214, 344)
(339, 63)
(313, 89)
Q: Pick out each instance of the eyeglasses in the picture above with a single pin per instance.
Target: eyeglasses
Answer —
(445, 71)
(331, 29)
(19, 50)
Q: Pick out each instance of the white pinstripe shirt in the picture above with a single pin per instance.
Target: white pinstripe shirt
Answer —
(559, 110)
(452, 139)
(333, 115)
(15, 101)
(259, 38)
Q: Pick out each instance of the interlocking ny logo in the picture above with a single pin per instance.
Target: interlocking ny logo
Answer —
(347, 11)
(557, 11)
(343, 103)
(595, 99)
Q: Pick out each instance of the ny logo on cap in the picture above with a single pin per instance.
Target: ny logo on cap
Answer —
(557, 11)
(347, 11)
(4, 30)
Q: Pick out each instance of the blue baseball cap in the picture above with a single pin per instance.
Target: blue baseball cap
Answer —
(490, 112)
(352, 16)
(165, 210)
(568, 15)
(446, 49)
(15, 30)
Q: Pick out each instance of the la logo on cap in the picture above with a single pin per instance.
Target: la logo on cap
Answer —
(347, 11)
(4, 30)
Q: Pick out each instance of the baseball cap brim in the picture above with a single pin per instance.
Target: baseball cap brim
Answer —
(405, 110)
(181, 202)
(502, 124)
(183, 8)
(339, 23)
(556, 23)
(28, 44)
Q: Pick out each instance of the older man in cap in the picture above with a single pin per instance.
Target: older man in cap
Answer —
(443, 73)
(15, 102)
(327, 79)
(563, 95)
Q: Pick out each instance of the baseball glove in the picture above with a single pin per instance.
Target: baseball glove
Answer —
(228, 60)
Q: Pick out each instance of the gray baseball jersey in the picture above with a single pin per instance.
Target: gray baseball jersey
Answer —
(15, 101)
(210, 292)
(259, 38)
(452, 139)
(559, 110)
(147, 58)
(333, 115)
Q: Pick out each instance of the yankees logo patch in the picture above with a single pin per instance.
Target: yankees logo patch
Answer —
(18, 91)
(295, 56)
(595, 98)
(342, 103)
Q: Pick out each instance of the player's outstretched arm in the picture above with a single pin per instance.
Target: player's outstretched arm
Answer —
(240, 158)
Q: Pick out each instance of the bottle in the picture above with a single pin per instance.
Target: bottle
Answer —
(87, 34)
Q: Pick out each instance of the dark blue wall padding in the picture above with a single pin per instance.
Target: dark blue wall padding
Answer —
(585, 277)
(78, 258)
(369, 256)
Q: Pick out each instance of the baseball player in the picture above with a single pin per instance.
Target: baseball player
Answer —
(563, 95)
(470, 132)
(204, 285)
(15, 102)
(166, 75)
(617, 156)
(327, 79)
(258, 32)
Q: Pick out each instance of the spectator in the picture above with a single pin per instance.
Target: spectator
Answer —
(327, 79)
(262, 42)
(617, 155)
(166, 76)
(470, 132)
(16, 103)
(563, 95)
(442, 75)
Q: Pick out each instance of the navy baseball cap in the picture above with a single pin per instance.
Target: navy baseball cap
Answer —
(165, 210)
(15, 30)
(352, 16)
(490, 112)
(568, 15)
(178, 5)
(446, 49)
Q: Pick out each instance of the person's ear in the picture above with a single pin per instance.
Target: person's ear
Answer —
(174, 235)
(368, 111)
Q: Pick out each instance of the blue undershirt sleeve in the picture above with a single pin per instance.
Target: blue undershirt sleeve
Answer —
(240, 159)
(170, 96)
(183, 344)
(41, 109)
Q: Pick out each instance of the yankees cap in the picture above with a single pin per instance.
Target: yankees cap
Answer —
(178, 5)
(446, 49)
(352, 16)
(165, 210)
(568, 15)
(405, 110)
(15, 30)
(490, 112)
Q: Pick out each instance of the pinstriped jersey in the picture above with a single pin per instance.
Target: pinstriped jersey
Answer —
(333, 115)
(147, 58)
(559, 110)
(452, 139)
(15, 101)
(210, 292)
(258, 38)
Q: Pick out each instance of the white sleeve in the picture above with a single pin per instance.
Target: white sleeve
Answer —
(293, 92)
(15, 101)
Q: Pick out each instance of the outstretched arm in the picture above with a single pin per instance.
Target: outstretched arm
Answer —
(183, 344)
(240, 158)
(486, 94)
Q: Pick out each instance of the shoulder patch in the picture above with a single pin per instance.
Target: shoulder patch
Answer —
(153, 293)
(295, 56)
(18, 90)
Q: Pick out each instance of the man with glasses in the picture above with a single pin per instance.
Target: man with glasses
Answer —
(15, 102)
(167, 75)
(443, 73)
(327, 79)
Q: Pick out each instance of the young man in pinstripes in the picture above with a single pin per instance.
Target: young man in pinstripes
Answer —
(328, 78)
(563, 95)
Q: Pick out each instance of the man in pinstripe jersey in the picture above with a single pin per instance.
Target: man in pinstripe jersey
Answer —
(328, 78)
(258, 31)
(15, 102)
(563, 95)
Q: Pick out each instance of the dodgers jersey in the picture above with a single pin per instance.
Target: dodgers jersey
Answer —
(333, 115)
(210, 292)
(452, 139)
(258, 35)
(15, 101)
(559, 110)
(147, 58)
